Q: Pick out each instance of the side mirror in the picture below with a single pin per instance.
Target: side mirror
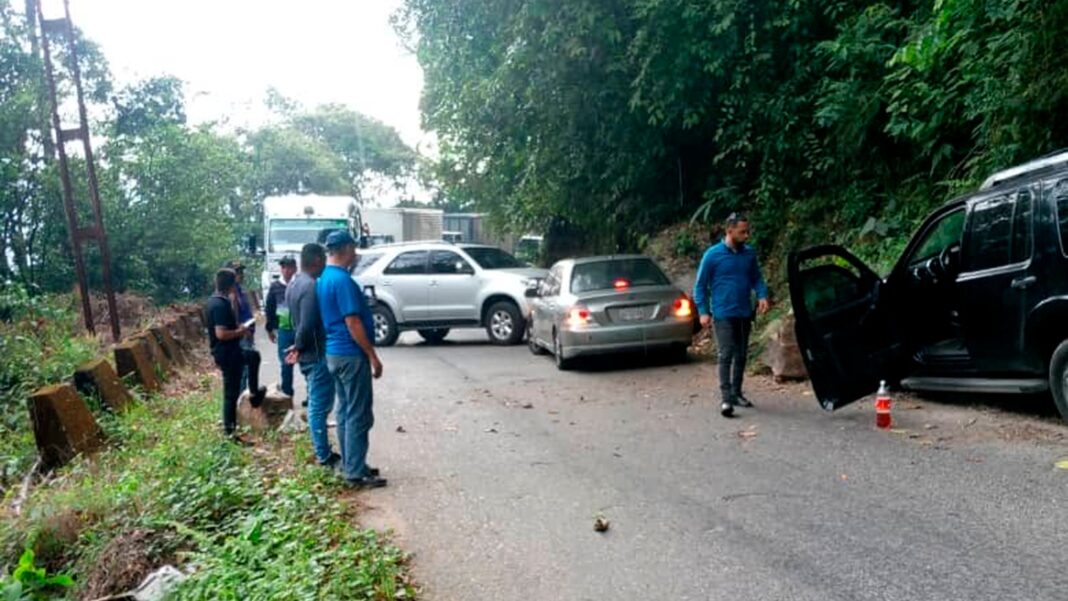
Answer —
(531, 293)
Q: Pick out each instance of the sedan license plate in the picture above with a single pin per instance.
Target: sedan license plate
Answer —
(632, 314)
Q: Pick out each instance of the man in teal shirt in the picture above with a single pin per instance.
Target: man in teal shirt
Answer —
(350, 357)
(728, 276)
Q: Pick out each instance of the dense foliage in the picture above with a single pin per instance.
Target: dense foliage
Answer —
(827, 119)
(40, 344)
(178, 198)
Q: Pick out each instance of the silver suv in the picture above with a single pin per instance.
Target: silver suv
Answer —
(432, 287)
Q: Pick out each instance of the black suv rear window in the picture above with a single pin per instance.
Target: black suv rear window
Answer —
(1060, 196)
(603, 275)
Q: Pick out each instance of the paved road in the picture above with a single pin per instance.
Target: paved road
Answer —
(504, 462)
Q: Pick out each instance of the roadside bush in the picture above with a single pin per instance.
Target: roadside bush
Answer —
(171, 490)
(40, 344)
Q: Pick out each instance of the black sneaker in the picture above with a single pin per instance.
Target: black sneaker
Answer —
(334, 463)
(365, 482)
(726, 409)
(256, 399)
(741, 401)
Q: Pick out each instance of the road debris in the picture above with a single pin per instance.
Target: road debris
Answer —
(401, 430)
(1061, 464)
(748, 434)
(527, 405)
(601, 524)
(491, 430)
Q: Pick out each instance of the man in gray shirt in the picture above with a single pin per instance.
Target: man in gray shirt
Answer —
(309, 349)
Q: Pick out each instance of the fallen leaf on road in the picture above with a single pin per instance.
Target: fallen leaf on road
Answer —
(970, 422)
(401, 430)
(601, 524)
(528, 405)
(554, 412)
(747, 434)
(900, 431)
(929, 426)
(1061, 464)
(491, 430)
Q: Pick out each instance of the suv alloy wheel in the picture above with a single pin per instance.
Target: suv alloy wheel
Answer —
(504, 324)
(386, 331)
(1058, 378)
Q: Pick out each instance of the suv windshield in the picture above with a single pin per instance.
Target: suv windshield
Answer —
(605, 275)
(492, 258)
(292, 234)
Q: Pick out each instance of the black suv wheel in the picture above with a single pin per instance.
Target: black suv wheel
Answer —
(1058, 378)
(386, 330)
(504, 324)
(434, 336)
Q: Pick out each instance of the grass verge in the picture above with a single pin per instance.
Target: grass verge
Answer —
(260, 523)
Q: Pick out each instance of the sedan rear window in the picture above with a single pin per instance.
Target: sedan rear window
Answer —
(609, 274)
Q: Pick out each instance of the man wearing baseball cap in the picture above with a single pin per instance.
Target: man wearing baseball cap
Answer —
(279, 325)
(350, 357)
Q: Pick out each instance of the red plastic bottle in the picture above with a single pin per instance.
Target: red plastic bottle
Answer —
(882, 407)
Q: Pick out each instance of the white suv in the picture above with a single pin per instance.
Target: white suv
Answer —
(433, 287)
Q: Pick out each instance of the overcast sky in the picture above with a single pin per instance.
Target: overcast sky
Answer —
(230, 51)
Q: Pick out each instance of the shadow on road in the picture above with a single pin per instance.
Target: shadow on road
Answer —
(1031, 405)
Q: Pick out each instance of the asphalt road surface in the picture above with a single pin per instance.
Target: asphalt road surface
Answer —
(499, 464)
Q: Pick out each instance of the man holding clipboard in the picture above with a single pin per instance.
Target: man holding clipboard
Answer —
(224, 337)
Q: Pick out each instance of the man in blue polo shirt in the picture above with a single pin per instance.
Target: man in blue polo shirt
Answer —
(723, 293)
(350, 357)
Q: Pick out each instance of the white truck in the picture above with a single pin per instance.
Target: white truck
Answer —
(293, 220)
(386, 226)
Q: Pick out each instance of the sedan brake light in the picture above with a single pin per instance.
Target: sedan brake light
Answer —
(683, 307)
(578, 316)
(621, 284)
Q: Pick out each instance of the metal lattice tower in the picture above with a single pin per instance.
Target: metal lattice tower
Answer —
(79, 234)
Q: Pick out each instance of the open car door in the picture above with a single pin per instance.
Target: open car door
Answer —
(844, 328)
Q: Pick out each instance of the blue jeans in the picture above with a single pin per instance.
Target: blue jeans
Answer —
(285, 340)
(352, 378)
(320, 403)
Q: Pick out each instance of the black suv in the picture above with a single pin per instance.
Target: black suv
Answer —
(978, 302)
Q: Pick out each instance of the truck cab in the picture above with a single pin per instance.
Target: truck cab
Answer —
(291, 221)
(978, 302)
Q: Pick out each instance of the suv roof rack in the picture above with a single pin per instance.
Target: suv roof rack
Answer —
(1056, 158)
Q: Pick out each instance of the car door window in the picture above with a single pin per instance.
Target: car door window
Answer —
(445, 262)
(940, 236)
(409, 263)
(999, 232)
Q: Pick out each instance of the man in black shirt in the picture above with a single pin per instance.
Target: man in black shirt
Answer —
(224, 336)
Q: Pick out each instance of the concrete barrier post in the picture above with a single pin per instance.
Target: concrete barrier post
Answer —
(98, 378)
(63, 426)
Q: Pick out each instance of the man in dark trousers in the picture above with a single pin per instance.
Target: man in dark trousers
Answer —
(350, 357)
(279, 324)
(224, 337)
(309, 349)
(728, 276)
(243, 308)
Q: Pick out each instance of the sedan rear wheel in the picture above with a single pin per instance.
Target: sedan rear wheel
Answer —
(435, 335)
(1058, 378)
(562, 363)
